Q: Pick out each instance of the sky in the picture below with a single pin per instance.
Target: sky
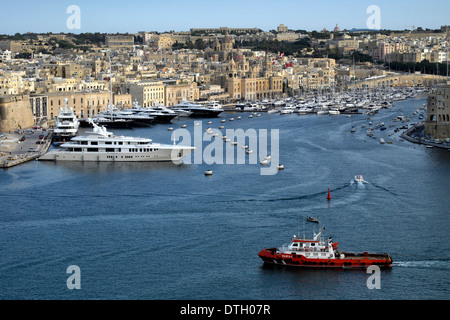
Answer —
(181, 15)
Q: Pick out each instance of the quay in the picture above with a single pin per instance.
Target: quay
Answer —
(24, 146)
(415, 134)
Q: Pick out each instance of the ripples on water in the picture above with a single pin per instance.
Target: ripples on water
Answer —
(160, 231)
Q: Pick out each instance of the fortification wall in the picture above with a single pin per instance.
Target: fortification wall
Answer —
(15, 113)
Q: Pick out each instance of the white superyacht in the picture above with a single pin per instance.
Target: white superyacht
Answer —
(102, 145)
(66, 125)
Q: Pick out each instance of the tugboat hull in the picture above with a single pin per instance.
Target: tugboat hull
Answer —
(350, 260)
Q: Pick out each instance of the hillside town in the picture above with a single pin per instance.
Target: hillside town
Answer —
(230, 65)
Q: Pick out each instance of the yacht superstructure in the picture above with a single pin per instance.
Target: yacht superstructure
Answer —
(102, 145)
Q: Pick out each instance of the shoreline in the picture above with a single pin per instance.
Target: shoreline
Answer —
(409, 136)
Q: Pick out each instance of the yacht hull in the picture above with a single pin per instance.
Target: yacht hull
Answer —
(162, 155)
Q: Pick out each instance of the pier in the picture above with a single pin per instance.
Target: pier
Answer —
(24, 146)
(415, 134)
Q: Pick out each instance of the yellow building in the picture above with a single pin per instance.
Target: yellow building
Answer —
(164, 41)
(146, 93)
(255, 88)
(178, 91)
(79, 101)
(119, 41)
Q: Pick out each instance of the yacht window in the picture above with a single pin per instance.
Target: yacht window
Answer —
(108, 142)
(77, 149)
(94, 143)
(295, 244)
(109, 149)
(120, 143)
(313, 244)
(92, 150)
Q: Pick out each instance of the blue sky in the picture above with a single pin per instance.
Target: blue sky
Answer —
(139, 15)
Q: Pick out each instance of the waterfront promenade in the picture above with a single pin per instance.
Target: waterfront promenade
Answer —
(22, 146)
(415, 134)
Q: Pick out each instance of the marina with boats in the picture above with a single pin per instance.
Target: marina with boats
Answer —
(129, 205)
(356, 101)
(349, 104)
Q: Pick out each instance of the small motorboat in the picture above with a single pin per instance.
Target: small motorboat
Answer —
(311, 219)
(359, 178)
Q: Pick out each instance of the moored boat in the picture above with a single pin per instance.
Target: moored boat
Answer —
(66, 125)
(320, 253)
(100, 145)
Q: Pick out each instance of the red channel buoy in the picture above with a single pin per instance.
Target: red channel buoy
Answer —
(329, 195)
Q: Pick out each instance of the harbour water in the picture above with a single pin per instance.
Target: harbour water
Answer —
(162, 231)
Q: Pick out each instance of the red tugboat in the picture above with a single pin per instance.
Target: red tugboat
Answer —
(316, 252)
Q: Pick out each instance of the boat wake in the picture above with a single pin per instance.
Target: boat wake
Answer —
(306, 196)
(425, 264)
(385, 189)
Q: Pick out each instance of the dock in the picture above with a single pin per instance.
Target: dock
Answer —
(30, 145)
(414, 134)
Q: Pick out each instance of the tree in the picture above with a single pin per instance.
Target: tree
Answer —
(199, 44)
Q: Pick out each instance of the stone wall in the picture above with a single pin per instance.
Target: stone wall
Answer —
(15, 112)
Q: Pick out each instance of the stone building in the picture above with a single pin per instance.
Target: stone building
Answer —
(146, 93)
(437, 125)
(119, 41)
(80, 102)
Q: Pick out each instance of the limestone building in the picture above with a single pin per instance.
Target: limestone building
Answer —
(79, 101)
(119, 41)
(437, 125)
(146, 93)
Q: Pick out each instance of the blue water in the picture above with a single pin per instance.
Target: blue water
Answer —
(162, 231)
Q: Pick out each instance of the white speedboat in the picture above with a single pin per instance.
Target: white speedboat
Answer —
(287, 110)
(66, 125)
(101, 145)
(334, 112)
